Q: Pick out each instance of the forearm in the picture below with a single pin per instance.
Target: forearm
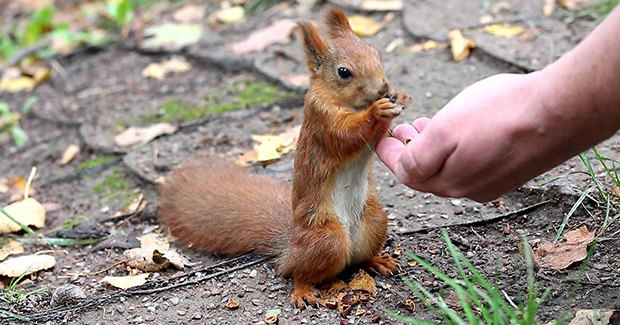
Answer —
(581, 90)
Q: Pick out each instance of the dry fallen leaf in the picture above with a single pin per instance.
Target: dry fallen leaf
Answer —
(176, 259)
(576, 4)
(29, 212)
(364, 282)
(146, 259)
(12, 247)
(548, 7)
(597, 316)
(143, 135)
(125, 282)
(190, 13)
(17, 187)
(69, 154)
(505, 30)
(230, 15)
(561, 255)
(382, 5)
(16, 83)
(428, 45)
(461, 46)
(154, 241)
(270, 147)
(364, 26)
(159, 70)
(16, 266)
(271, 317)
(277, 33)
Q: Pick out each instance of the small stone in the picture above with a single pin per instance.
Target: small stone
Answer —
(391, 182)
(456, 202)
(458, 212)
(196, 316)
(120, 309)
(253, 274)
(175, 301)
(67, 294)
(138, 319)
(375, 319)
(277, 287)
(469, 254)
(506, 230)
(151, 309)
(181, 312)
(409, 193)
(428, 94)
(469, 209)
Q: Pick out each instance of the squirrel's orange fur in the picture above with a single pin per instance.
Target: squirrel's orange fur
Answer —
(331, 218)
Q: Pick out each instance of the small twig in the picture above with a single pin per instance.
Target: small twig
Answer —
(24, 52)
(46, 251)
(100, 271)
(33, 171)
(509, 300)
(514, 213)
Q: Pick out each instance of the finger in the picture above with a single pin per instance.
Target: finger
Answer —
(404, 133)
(389, 151)
(426, 155)
(421, 123)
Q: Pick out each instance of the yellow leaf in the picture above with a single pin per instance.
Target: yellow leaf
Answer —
(12, 247)
(159, 70)
(461, 46)
(69, 154)
(505, 30)
(548, 7)
(17, 84)
(230, 15)
(29, 212)
(268, 147)
(26, 264)
(125, 282)
(364, 26)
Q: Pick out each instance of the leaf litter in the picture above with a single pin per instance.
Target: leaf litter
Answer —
(559, 256)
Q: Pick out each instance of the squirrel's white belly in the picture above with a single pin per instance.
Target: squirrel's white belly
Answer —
(349, 196)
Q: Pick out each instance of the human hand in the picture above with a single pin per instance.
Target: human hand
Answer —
(489, 139)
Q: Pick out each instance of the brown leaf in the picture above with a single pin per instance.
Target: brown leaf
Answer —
(364, 26)
(364, 282)
(69, 154)
(154, 241)
(561, 255)
(277, 33)
(16, 266)
(17, 187)
(548, 7)
(598, 316)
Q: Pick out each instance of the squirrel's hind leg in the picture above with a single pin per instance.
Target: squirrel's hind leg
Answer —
(303, 293)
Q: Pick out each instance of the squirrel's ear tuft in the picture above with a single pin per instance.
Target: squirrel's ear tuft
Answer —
(337, 22)
(315, 48)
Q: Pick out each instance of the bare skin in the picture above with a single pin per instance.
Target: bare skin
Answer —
(504, 130)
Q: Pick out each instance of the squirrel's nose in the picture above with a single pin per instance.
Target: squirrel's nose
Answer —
(384, 89)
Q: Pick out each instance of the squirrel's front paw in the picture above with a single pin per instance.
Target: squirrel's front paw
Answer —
(385, 109)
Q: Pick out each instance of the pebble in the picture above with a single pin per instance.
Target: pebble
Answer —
(151, 309)
(196, 316)
(506, 230)
(469, 254)
(175, 301)
(253, 273)
(391, 182)
(409, 193)
(138, 319)
(458, 212)
(456, 202)
(67, 294)
(277, 287)
(181, 312)
(428, 94)
(121, 309)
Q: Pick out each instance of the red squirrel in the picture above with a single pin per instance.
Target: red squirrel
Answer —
(331, 217)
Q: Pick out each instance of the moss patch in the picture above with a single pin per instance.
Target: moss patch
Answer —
(112, 185)
(95, 162)
(244, 93)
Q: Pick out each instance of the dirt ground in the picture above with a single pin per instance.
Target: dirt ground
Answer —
(100, 92)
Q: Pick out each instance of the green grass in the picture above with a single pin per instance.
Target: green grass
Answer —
(481, 302)
(14, 294)
(94, 162)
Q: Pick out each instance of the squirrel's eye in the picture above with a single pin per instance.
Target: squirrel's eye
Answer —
(344, 73)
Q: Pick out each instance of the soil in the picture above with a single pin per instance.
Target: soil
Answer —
(99, 92)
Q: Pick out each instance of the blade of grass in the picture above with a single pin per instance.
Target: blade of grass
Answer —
(10, 314)
(571, 212)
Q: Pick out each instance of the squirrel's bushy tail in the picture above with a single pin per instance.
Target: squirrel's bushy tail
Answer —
(215, 206)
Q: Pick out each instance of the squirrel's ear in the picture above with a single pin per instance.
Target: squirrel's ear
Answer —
(337, 22)
(316, 50)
